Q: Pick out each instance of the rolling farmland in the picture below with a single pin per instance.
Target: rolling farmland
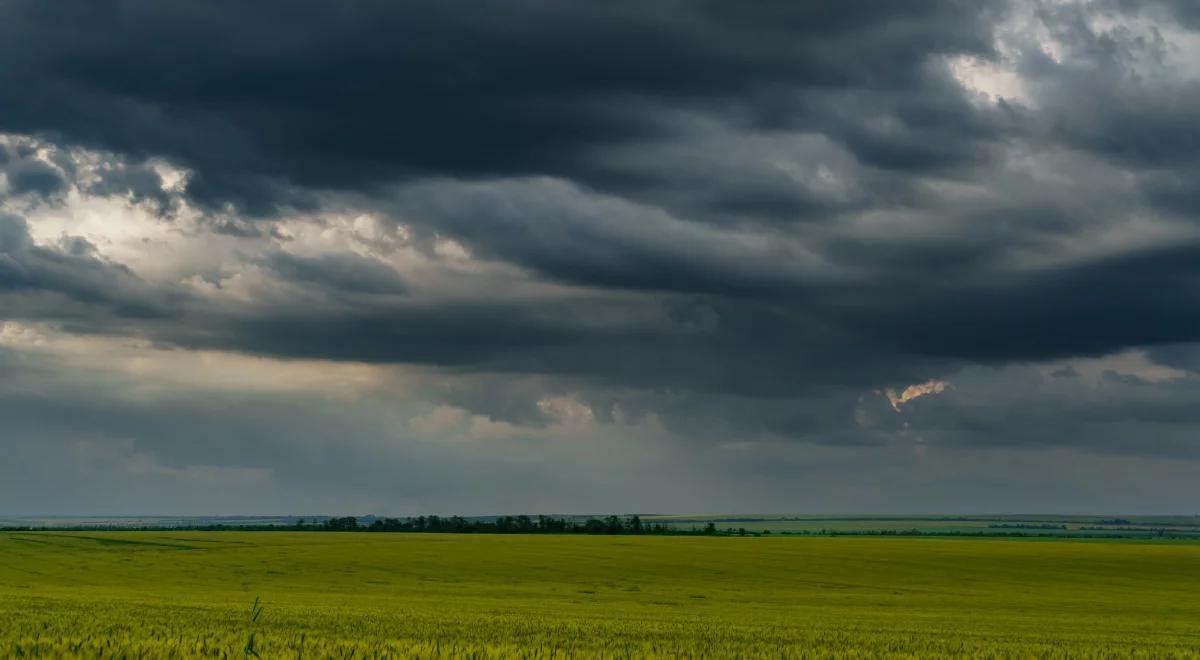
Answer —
(135, 594)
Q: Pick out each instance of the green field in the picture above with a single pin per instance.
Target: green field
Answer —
(153, 594)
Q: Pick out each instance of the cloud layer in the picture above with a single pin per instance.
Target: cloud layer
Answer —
(451, 254)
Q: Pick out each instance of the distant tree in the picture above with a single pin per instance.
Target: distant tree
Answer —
(347, 524)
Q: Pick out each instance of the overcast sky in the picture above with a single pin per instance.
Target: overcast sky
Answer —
(528, 256)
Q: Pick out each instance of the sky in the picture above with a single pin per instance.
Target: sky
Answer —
(520, 256)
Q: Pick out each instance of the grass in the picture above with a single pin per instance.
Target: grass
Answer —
(155, 594)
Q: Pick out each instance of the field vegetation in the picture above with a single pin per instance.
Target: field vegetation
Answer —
(977, 525)
(170, 594)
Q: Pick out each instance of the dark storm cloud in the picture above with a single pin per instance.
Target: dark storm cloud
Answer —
(745, 350)
(346, 272)
(138, 181)
(325, 95)
(1139, 107)
(734, 223)
(441, 334)
(696, 122)
(33, 176)
(1134, 299)
(25, 173)
(45, 171)
(68, 281)
(568, 234)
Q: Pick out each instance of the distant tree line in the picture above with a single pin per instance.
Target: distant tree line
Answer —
(622, 525)
(1156, 531)
(1027, 526)
(611, 525)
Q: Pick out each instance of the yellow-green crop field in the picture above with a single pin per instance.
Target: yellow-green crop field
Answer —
(172, 594)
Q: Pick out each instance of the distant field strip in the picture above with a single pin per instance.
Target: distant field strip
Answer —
(1013, 525)
(171, 594)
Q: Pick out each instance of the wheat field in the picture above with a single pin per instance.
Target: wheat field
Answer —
(193, 594)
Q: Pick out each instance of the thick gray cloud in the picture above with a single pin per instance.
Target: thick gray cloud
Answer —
(344, 272)
(68, 280)
(720, 231)
(327, 96)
